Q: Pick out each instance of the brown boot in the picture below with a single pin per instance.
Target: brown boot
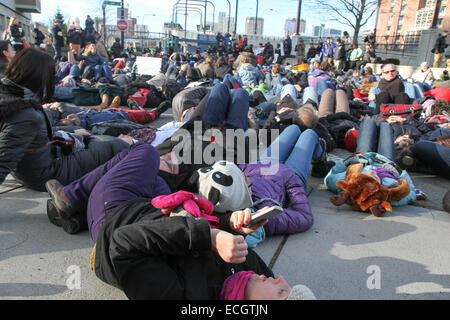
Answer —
(104, 104)
(56, 191)
(115, 103)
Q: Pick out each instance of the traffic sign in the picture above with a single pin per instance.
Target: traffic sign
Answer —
(112, 3)
(122, 25)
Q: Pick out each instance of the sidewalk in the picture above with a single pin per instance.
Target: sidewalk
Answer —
(406, 252)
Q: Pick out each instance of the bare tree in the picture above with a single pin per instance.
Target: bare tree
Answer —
(354, 13)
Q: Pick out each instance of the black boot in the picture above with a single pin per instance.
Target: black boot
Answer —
(163, 107)
(322, 166)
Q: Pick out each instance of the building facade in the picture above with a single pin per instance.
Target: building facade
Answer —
(402, 21)
(250, 26)
(21, 9)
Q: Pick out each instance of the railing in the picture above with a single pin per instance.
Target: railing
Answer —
(400, 43)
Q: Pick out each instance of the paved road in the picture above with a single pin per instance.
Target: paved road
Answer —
(345, 255)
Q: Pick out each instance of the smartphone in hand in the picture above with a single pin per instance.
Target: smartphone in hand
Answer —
(264, 213)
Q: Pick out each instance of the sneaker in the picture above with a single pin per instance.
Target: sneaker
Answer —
(60, 201)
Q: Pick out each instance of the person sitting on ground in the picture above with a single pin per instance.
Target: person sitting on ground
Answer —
(425, 75)
(390, 89)
(248, 53)
(207, 68)
(222, 68)
(7, 53)
(93, 61)
(320, 73)
(26, 149)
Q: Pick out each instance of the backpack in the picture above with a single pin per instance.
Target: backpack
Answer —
(170, 89)
(6, 35)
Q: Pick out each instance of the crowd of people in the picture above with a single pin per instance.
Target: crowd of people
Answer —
(166, 226)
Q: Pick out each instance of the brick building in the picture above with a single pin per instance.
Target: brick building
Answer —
(402, 21)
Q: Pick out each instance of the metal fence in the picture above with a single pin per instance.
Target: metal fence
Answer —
(403, 44)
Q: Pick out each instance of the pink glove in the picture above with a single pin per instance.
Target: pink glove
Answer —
(192, 203)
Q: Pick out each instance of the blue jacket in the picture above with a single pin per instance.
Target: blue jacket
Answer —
(325, 49)
(337, 173)
(91, 117)
(91, 60)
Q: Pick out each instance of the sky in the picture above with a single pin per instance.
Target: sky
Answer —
(274, 12)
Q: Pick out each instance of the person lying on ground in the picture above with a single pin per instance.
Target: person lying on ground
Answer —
(26, 147)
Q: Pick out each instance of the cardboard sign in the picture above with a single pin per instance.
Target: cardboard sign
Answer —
(148, 65)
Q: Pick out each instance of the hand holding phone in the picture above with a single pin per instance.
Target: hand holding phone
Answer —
(263, 214)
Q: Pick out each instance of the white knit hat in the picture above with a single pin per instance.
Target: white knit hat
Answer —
(301, 292)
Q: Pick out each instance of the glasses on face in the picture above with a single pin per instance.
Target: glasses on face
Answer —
(389, 71)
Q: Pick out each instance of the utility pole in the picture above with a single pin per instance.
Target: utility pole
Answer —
(235, 16)
(298, 16)
(122, 33)
(104, 22)
(256, 20)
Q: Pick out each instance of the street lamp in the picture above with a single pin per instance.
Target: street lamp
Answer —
(143, 28)
(256, 20)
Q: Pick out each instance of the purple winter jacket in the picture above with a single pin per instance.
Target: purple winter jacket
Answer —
(286, 188)
(317, 75)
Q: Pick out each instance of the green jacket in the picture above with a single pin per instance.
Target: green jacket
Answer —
(356, 54)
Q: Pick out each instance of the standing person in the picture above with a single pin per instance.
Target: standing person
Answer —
(300, 49)
(346, 41)
(88, 26)
(328, 50)
(287, 46)
(38, 36)
(75, 37)
(7, 53)
(370, 39)
(339, 55)
(17, 34)
(58, 40)
(116, 48)
(439, 49)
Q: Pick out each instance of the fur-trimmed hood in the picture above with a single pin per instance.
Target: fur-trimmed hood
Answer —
(13, 100)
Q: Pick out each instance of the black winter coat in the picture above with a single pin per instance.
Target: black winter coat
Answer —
(440, 45)
(24, 133)
(38, 37)
(17, 32)
(153, 256)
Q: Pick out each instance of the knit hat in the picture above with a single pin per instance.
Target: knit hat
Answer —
(224, 185)
(350, 140)
(234, 286)
(301, 292)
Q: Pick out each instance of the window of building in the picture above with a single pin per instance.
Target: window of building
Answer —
(442, 10)
(392, 9)
(388, 28)
(390, 19)
(399, 28)
(439, 22)
(403, 8)
(400, 19)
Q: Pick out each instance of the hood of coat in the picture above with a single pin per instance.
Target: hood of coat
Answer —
(14, 99)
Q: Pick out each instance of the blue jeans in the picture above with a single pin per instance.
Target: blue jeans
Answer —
(310, 93)
(288, 89)
(369, 140)
(296, 149)
(100, 71)
(434, 154)
(323, 85)
(75, 71)
(63, 93)
(229, 107)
